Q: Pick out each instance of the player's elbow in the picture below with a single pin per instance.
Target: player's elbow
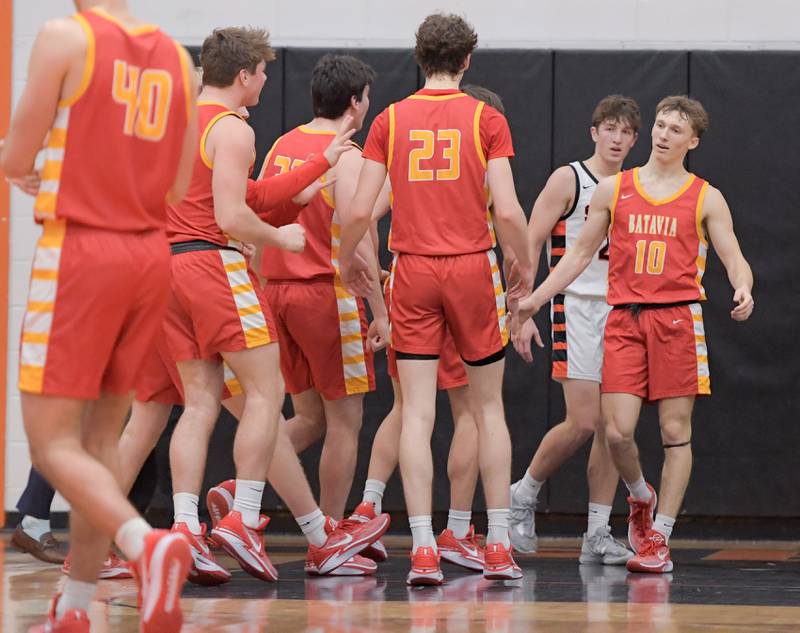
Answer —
(12, 168)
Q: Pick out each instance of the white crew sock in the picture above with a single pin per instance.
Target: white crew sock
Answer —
(498, 527)
(373, 493)
(639, 490)
(526, 490)
(663, 525)
(248, 501)
(185, 510)
(130, 538)
(422, 532)
(76, 595)
(458, 522)
(313, 526)
(35, 528)
(599, 516)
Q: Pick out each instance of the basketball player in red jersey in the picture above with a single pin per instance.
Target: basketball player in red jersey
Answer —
(216, 310)
(659, 218)
(440, 148)
(578, 320)
(100, 276)
(322, 328)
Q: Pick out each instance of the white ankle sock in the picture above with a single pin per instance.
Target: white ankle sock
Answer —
(422, 532)
(458, 522)
(663, 525)
(130, 538)
(373, 492)
(313, 526)
(76, 595)
(185, 505)
(498, 527)
(599, 516)
(526, 490)
(639, 490)
(248, 500)
(35, 528)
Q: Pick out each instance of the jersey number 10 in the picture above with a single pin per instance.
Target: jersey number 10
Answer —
(656, 254)
(146, 95)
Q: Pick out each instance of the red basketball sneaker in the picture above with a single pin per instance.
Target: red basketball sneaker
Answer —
(160, 573)
(219, 500)
(346, 539)
(365, 511)
(73, 621)
(425, 568)
(246, 545)
(640, 519)
(355, 566)
(466, 552)
(653, 557)
(205, 569)
(114, 568)
(499, 563)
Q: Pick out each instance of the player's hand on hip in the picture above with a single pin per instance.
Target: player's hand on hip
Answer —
(292, 237)
(744, 304)
(521, 339)
(356, 275)
(307, 194)
(378, 336)
(341, 142)
(27, 184)
(248, 250)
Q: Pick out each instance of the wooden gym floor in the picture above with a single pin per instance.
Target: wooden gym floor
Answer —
(716, 587)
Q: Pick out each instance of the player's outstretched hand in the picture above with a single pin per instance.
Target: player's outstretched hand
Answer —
(307, 194)
(292, 237)
(521, 338)
(356, 275)
(341, 142)
(378, 336)
(744, 304)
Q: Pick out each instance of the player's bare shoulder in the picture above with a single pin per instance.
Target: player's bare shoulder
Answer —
(604, 194)
(64, 36)
(714, 203)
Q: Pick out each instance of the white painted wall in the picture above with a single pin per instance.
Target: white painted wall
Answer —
(612, 24)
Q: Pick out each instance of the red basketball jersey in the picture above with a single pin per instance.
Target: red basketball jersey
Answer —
(658, 249)
(114, 148)
(193, 217)
(436, 145)
(319, 259)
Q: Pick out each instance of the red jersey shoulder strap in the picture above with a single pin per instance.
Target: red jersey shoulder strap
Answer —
(222, 112)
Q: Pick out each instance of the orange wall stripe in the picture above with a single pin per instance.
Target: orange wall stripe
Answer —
(5, 114)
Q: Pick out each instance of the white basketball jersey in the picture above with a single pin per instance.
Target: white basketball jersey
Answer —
(592, 282)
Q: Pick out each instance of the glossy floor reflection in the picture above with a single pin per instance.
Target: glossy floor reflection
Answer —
(731, 589)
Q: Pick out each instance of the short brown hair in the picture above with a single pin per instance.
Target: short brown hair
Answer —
(444, 40)
(484, 94)
(335, 80)
(690, 109)
(227, 51)
(617, 108)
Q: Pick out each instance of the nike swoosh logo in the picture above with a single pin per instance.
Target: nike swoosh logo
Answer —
(626, 196)
(472, 551)
(676, 321)
(348, 538)
(588, 186)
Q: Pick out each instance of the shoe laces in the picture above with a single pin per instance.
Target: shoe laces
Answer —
(652, 544)
(601, 540)
(640, 513)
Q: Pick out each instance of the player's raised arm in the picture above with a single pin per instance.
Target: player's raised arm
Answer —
(577, 258)
(231, 158)
(51, 72)
(719, 225)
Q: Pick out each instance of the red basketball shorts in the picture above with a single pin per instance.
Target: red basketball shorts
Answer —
(216, 305)
(96, 301)
(661, 353)
(322, 333)
(462, 293)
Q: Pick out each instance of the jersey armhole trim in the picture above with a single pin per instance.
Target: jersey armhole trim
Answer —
(476, 132)
(613, 206)
(203, 156)
(390, 152)
(267, 158)
(88, 64)
(699, 214)
(577, 193)
(588, 173)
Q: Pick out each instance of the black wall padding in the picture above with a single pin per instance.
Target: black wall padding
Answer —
(746, 435)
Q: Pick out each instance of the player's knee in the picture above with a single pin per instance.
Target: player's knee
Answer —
(615, 436)
(676, 432)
